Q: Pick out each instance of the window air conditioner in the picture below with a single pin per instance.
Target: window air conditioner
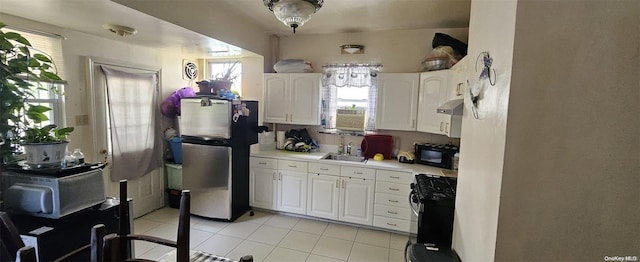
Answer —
(350, 119)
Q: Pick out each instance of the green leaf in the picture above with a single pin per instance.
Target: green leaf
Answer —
(42, 58)
(50, 76)
(17, 37)
(39, 108)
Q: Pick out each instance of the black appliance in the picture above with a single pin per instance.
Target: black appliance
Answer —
(216, 136)
(432, 202)
(435, 155)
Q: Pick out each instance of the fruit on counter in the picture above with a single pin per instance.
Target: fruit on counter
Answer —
(378, 157)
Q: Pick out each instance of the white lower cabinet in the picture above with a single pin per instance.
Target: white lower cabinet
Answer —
(263, 182)
(346, 193)
(292, 187)
(323, 190)
(391, 204)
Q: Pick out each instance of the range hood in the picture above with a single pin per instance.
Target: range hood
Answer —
(453, 107)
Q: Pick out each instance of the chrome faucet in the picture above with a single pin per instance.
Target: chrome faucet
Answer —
(348, 151)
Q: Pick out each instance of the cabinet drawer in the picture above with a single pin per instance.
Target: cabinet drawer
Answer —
(392, 211)
(392, 223)
(324, 169)
(264, 163)
(392, 200)
(358, 172)
(393, 188)
(394, 176)
(292, 165)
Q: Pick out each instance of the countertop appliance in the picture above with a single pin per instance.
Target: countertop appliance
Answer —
(52, 192)
(435, 155)
(216, 136)
(432, 202)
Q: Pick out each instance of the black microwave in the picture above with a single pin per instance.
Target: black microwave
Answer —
(435, 155)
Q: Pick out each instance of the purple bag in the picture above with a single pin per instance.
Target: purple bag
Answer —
(170, 107)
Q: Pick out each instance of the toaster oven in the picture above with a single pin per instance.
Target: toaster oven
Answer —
(52, 196)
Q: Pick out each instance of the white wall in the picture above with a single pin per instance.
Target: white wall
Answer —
(572, 158)
(399, 51)
(482, 143)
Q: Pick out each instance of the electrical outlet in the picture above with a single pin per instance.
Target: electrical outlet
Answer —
(82, 120)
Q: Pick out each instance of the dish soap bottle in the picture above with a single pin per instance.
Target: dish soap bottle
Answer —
(341, 146)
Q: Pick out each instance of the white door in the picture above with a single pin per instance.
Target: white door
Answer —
(147, 191)
(262, 185)
(432, 84)
(305, 99)
(356, 200)
(397, 102)
(292, 191)
(276, 97)
(322, 196)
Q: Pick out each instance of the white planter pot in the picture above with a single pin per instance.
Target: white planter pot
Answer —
(45, 155)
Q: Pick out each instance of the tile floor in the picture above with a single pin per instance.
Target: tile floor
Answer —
(272, 237)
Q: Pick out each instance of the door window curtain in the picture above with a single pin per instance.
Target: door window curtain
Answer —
(131, 99)
(349, 76)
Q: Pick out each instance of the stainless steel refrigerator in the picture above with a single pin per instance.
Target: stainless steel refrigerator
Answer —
(216, 136)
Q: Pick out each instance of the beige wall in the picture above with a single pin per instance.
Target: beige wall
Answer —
(399, 51)
(572, 158)
(550, 172)
(491, 28)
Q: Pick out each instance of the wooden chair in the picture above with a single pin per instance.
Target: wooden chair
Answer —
(117, 247)
(11, 245)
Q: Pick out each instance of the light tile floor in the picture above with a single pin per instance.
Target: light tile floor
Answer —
(272, 237)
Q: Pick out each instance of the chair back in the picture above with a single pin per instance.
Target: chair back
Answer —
(11, 246)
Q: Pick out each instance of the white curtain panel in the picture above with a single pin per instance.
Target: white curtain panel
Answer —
(133, 124)
(349, 76)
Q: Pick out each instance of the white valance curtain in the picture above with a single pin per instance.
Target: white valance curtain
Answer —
(349, 76)
(133, 124)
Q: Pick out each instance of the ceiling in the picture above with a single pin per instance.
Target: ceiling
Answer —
(336, 16)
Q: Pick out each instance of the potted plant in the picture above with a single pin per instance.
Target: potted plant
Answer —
(22, 70)
(225, 80)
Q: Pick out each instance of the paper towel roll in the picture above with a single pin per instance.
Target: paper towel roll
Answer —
(280, 139)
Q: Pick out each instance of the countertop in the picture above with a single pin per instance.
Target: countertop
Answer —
(389, 164)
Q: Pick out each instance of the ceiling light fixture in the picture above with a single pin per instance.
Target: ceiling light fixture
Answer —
(352, 49)
(120, 30)
(293, 13)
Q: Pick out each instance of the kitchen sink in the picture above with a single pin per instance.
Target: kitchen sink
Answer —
(334, 156)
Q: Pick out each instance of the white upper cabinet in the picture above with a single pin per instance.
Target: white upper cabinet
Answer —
(396, 106)
(292, 98)
(458, 79)
(433, 90)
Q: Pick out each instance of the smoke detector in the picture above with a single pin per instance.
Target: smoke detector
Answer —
(120, 29)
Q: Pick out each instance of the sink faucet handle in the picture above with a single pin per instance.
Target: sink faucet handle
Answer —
(349, 149)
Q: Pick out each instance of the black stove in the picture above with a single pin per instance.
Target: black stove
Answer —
(435, 187)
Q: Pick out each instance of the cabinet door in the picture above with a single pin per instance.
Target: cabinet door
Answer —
(356, 200)
(457, 80)
(276, 98)
(431, 86)
(322, 196)
(397, 102)
(292, 191)
(262, 185)
(305, 99)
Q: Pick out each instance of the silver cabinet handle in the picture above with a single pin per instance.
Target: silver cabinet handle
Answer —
(279, 176)
(413, 123)
(394, 177)
(458, 89)
(394, 189)
(391, 224)
(274, 176)
(262, 163)
(291, 166)
(446, 128)
(324, 169)
(357, 173)
(338, 183)
(343, 182)
(391, 212)
(393, 201)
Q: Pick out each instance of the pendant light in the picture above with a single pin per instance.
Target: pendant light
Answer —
(293, 13)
